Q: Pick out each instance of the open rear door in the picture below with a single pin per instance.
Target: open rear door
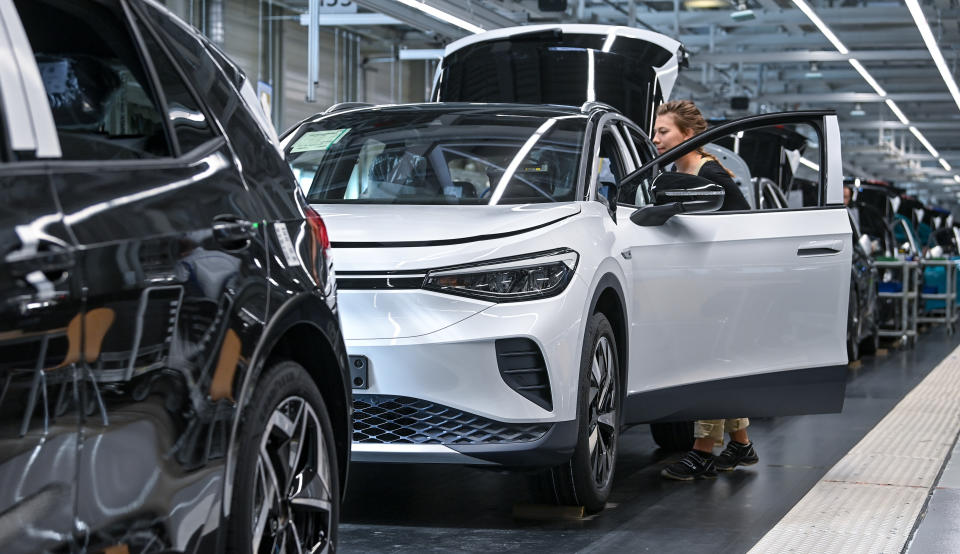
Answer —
(633, 70)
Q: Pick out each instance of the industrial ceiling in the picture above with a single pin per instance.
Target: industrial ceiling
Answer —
(869, 60)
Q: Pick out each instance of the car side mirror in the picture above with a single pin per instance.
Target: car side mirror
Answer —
(676, 193)
(607, 193)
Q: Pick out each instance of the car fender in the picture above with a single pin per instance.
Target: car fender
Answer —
(610, 276)
(304, 308)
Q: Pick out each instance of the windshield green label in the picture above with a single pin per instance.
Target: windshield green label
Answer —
(318, 140)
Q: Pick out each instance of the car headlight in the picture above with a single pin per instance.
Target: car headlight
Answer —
(528, 277)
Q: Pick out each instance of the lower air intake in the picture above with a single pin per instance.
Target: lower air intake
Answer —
(523, 370)
(386, 419)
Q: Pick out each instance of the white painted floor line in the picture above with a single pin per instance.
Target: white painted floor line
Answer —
(869, 501)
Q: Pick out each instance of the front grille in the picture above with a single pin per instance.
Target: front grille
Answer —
(386, 419)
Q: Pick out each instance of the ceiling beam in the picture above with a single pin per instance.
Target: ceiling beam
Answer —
(922, 125)
(858, 15)
(794, 56)
(852, 97)
(907, 36)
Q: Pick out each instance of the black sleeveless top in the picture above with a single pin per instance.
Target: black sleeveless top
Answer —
(732, 199)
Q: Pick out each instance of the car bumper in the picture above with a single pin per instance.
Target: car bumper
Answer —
(441, 396)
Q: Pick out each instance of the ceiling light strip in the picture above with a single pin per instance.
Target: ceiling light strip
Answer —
(896, 111)
(442, 15)
(935, 53)
(867, 77)
(923, 140)
(945, 165)
(806, 9)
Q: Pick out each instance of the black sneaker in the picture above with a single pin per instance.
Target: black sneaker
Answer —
(692, 465)
(736, 454)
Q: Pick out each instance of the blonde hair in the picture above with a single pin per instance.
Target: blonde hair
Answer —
(687, 117)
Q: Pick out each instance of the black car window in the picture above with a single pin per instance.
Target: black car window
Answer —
(188, 119)
(99, 93)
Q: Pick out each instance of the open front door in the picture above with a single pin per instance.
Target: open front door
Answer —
(743, 313)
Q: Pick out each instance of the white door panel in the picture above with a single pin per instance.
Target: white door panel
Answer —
(716, 296)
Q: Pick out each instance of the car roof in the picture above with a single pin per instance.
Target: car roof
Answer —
(529, 110)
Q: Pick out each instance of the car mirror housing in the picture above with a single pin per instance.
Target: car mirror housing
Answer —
(676, 193)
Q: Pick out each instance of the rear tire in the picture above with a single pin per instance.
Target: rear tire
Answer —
(586, 479)
(287, 486)
(673, 436)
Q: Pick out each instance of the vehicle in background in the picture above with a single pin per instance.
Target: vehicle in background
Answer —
(863, 317)
(171, 361)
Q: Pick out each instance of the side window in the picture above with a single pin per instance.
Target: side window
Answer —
(778, 165)
(187, 118)
(612, 161)
(643, 151)
(99, 92)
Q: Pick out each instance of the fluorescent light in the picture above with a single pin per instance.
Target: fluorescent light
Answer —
(945, 165)
(956, 178)
(867, 77)
(442, 16)
(808, 163)
(705, 4)
(923, 140)
(896, 111)
(806, 9)
(420, 53)
(935, 53)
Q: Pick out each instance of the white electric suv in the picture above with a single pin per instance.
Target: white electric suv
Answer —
(517, 281)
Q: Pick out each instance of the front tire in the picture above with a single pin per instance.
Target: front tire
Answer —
(586, 479)
(287, 488)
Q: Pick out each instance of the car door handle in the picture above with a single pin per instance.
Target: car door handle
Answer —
(821, 248)
(52, 261)
(233, 233)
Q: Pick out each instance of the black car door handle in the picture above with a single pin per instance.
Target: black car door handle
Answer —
(232, 233)
(48, 262)
(821, 248)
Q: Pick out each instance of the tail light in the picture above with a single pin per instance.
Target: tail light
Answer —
(319, 230)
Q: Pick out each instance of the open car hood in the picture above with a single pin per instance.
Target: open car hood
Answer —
(396, 226)
(633, 70)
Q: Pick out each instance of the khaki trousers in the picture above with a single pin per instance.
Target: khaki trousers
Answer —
(715, 428)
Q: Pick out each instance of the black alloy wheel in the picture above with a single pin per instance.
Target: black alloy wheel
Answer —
(587, 478)
(287, 492)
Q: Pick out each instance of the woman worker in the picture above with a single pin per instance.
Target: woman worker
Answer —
(676, 122)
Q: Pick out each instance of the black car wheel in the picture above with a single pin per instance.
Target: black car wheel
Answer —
(286, 493)
(674, 436)
(587, 478)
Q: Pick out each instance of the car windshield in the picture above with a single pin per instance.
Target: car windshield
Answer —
(438, 157)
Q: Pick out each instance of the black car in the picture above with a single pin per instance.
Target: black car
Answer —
(172, 372)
